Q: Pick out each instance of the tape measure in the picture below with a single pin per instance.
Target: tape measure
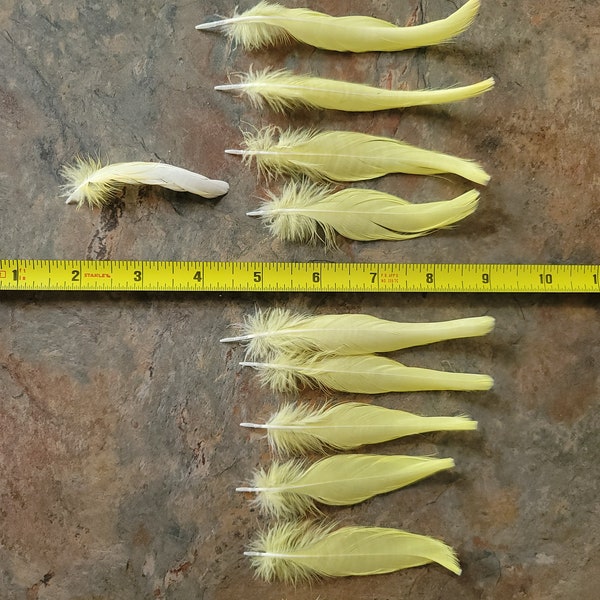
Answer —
(208, 276)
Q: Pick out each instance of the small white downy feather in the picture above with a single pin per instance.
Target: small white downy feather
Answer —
(289, 489)
(88, 181)
(298, 551)
(280, 331)
(299, 428)
(307, 212)
(361, 374)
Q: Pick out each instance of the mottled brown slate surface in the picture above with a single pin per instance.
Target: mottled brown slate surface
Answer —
(119, 439)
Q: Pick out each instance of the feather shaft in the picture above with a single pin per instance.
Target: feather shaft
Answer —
(297, 429)
(283, 90)
(347, 156)
(88, 181)
(361, 374)
(302, 211)
(292, 488)
(280, 331)
(268, 24)
(298, 551)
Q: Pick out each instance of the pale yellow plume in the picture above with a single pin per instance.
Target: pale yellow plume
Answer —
(369, 374)
(289, 489)
(346, 156)
(298, 428)
(283, 90)
(275, 331)
(268, 24)
(308, 213)
(294, 552)
(88, 181)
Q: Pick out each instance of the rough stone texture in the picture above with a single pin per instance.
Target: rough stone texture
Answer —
(119, 439)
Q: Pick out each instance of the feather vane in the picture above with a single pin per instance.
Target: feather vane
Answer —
(283, 90)
(88, 181)
(269, 24)
(289, 489)
(361, 374)
(280, 331)
(297, 429)
(294, 552)
(346, 156)
(358, 214)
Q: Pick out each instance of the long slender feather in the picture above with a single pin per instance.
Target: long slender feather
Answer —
(294, 552)
(269, 24)
(297, 428)
(346, 156)
(283, 90)
(88, 181)
(289, 489)
(364, 374)
(280, 331)
(302, 211)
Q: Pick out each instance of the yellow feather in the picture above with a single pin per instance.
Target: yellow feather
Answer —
(347, 156)
(358, 214)
(269, 24)
(279, 331)
(88, 181)
(284, 90)
(368, 374)
(291, 488)
(298, 551)
(296, 428)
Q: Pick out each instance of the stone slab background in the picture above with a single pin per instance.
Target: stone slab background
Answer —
(119, 440)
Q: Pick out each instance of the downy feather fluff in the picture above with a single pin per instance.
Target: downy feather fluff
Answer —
(295, 551)
(346, 156)
(283, 90)
(307, 213)
(297, 428)
(289, 489)
(88, 181)
(270, 24)
(280, 331)
(363, 374)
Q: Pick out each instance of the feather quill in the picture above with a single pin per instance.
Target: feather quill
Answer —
(302, 211)
(346, 156)
(269, 24)
(294, 552)
(361, 374)
(283, 90)
(289, 489)
(88, 181)
(297, 429)
(280, 331)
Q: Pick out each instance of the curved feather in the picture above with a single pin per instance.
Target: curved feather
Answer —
(269, 24)
(297, 428)
(283, 90)
(347, 156)
(364, 374)
(291, 488)
(298, 551)
(300, 210)
(88, 181)
(280, 331)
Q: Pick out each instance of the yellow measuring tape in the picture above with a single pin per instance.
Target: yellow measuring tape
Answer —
(207, 276)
